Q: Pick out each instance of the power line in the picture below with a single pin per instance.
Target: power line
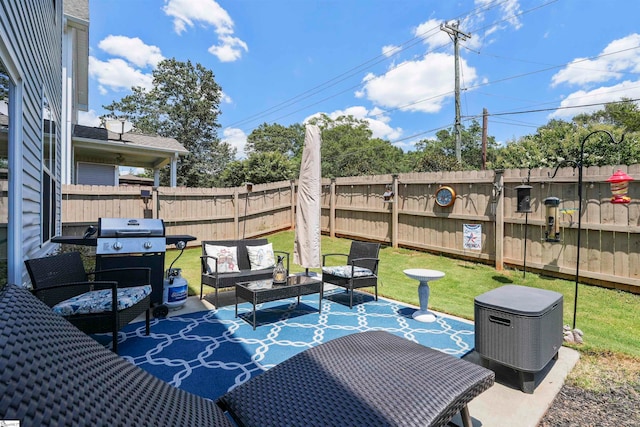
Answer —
(540, 110)
(408, 44)
(470, 118)
(353, 71)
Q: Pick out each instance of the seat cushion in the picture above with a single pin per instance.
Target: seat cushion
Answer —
(227, 258)
(345, 271)
(100, 301)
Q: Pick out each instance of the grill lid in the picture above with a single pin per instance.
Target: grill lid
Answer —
(126, 227)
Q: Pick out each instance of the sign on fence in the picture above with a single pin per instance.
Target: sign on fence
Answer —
(472, 236)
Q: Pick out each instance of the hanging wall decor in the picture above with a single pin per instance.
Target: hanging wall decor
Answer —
(445, 196)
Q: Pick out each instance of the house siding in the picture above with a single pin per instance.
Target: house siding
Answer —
(31, 50)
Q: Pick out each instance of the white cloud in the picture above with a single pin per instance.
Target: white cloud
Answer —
(115, 74)
(89, 118)
(390, 50)
(186, 13)
(236, 138)
(224, 98)
(431, 34)
(619, 57)
(228, 50)
(133, 50)
(378, 122)
(511, 11)
(508, 14)
(627, 89)
(423, 85)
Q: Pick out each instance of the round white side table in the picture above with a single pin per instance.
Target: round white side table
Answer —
(424, 276)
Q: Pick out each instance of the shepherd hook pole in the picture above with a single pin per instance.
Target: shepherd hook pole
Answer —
(579, 165)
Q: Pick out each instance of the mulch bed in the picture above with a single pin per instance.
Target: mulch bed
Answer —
(574, 406)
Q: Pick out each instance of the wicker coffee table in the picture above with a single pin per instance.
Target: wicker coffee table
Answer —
(261, 291)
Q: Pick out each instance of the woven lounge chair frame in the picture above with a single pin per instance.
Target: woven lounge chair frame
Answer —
(59, 277)
(53, 374)
(361, 254)
(368, 379)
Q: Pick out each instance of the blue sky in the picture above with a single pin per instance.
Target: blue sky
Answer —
(385, 61)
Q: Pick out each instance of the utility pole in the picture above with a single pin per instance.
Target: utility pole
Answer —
(456, 34)
(485, 113)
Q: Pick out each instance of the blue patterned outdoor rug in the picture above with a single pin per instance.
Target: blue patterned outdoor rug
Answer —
(209, 352)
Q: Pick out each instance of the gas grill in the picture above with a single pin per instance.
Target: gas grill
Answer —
(128, 236)
(124, 242)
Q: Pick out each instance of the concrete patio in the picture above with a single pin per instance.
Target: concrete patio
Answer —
(502, 405)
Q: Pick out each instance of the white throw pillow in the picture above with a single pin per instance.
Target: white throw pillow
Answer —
(261, 257)
(227, 258)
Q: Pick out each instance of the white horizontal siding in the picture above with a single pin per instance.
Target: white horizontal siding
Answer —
(32, 48)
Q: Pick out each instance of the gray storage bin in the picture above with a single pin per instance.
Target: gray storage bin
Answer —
(519, 327)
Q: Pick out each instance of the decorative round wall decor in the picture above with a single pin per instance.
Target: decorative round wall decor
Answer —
(445, 196)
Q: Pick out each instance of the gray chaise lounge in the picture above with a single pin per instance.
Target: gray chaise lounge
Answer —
(53, 374)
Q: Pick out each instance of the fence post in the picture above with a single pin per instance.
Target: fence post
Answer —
(156, 199)
(293, 204)
(499, 219)
(332, 208)
(236, 214)
(394, 212)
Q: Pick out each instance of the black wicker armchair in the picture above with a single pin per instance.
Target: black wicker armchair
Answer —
(60, 277)
(360, 271)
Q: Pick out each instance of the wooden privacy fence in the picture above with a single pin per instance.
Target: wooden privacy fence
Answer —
(483, 224)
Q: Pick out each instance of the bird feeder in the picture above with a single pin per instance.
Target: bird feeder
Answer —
(524, 198)
(553, 226)
(620, 187)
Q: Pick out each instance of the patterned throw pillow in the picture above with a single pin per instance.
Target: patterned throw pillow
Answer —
(261, 257)
(227, 258)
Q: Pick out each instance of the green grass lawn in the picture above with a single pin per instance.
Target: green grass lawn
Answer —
(610, 319)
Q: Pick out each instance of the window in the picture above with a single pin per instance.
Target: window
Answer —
(49, 162)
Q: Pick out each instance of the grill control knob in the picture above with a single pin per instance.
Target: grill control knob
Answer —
(117, 246)
(147, 245)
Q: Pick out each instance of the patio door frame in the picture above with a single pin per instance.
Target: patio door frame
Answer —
(14, 230)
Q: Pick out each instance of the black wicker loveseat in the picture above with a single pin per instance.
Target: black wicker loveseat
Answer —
(211, 276)
(53, 374)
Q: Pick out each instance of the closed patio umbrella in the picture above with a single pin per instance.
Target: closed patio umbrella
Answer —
(306, 246)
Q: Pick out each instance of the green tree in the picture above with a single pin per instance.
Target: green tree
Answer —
(268, 167)
(286, 140)
(183, 104)
(348, 149)
(559, 141)
(258, 168)
(235, 174)
(439, 154)
(4, 83)
(624, 115)
(548, 147)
